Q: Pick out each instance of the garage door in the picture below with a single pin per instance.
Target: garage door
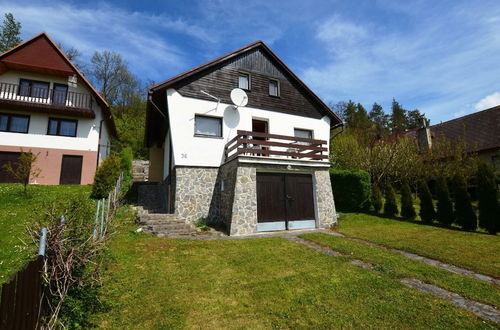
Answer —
(5, 158)
(71, 169)
(285, 201)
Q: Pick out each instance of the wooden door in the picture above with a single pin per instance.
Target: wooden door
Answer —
(299, 197)
(71, 169)
(271, 197)
(261, 127)
(6, 158)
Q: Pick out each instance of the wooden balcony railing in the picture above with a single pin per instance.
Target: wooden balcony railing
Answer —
(264, 144)
(44, 96)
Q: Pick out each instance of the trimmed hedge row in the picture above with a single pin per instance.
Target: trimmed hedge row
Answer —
(351, 189)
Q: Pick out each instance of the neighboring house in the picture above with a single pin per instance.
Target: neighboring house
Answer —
(259, 167)
(479, 130)
(49, 108)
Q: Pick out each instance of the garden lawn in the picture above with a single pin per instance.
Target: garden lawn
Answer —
(17, 211)
(155, 283)
(397, 266)
(472, 250)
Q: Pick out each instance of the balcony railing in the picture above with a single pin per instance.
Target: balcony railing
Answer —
(273, 145)
(45, 96)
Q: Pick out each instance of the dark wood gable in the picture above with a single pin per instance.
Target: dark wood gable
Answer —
(221, 78)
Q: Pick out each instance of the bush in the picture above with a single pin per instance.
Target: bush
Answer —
(105, 177)
(351, 189)
(126, 157)
(444, 206)
(390, 206)
(464, 213)
(427, 213)
(407, 209)
(376, 199)
(489, 209)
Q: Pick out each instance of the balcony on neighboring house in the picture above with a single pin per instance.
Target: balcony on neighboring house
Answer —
(275, 147)
(40, 98)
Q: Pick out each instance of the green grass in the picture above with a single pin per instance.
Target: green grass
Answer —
(154, 283)
(398, 266)
(16, 212)
(472, 250)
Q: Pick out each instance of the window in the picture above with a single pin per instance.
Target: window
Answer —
(34, 88)
(302, 133)
(244, 80)
(59, 94)
(14, 123)
(208, 126)
(274, 88)
(62, 127)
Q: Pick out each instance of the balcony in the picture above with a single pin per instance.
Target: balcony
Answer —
(60, 101)
(258, 144)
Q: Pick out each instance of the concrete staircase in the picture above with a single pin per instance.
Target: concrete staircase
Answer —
(163, 225)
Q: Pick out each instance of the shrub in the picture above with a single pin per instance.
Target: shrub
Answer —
(390, 206)
(444, 206)
(489, 209)
(464, 213)
(105, 177)
(407, 209)
(427, 213)
(376, 199)
(126, 157)
(351, 189)
(25, 169)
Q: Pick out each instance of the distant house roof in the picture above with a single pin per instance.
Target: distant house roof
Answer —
(41, 54)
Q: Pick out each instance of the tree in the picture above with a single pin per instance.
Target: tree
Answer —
(130, 123)
(407, 209)
(414, 119)
(399, 119)
(444, 206)
(464, 213)
(380, 120)
(390, 206)
(25, 169)
(376, 198)
(10, 30)
(349, 113)
(75, 56)
(427, 213)
(489, 208)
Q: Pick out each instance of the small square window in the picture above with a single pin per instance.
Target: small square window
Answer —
(244, 81)
(274, 88)
(208, 126)
(303, 133)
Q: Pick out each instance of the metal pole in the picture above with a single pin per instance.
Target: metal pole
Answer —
(107, 211)
(63, 220)
(102, 215)
(96, 219)
(43, 240)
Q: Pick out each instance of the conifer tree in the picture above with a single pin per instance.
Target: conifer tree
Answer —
(444, 205)
(489, 208)
(10, 30)
(376, 198)
(390, 206)
(464, 213)
(407, 209)
(427, 213)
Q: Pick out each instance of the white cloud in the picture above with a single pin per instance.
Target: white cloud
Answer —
(487, 102)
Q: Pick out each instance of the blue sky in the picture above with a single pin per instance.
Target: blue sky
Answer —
(441, 57)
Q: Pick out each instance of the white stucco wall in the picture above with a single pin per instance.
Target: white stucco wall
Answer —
(190, 150)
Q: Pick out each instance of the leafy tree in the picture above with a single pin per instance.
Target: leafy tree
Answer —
(444, 204)
(130, 122)
(464, 213)
(390, 206)
(407, 209)
(10, 32)
(427, 213)
(25, 169)
(489, 208)
(376, 198)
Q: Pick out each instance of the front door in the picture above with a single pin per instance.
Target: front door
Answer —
(71, 169)
(285, 201)
(259, 126)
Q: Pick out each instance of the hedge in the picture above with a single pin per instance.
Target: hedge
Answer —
(351, 189)
(105, 177)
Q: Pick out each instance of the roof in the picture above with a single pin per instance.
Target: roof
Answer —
(175, 79)
(41, 54)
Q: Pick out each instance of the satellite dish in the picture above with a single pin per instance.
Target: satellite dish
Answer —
(239, 97)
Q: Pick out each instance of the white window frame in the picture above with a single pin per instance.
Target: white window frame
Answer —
(278, 87)
(209, 135)
(249, 80)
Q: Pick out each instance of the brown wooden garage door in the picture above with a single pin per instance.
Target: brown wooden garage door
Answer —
(285, 201)
(5, 158)
(71, 169)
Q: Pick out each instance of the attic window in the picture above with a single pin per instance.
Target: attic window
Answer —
(274, 87)
(244, 80)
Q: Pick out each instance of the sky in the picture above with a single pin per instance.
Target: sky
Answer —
(441, 57)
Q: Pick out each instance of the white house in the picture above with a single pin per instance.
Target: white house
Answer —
(49, 108)
(258, 167)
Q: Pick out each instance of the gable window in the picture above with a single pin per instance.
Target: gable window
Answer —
(207, 126)
(33, 88)
(302, 133)
(62, 127)
(274, 87)
(14, 123)
(244, 80)
(59, 94)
